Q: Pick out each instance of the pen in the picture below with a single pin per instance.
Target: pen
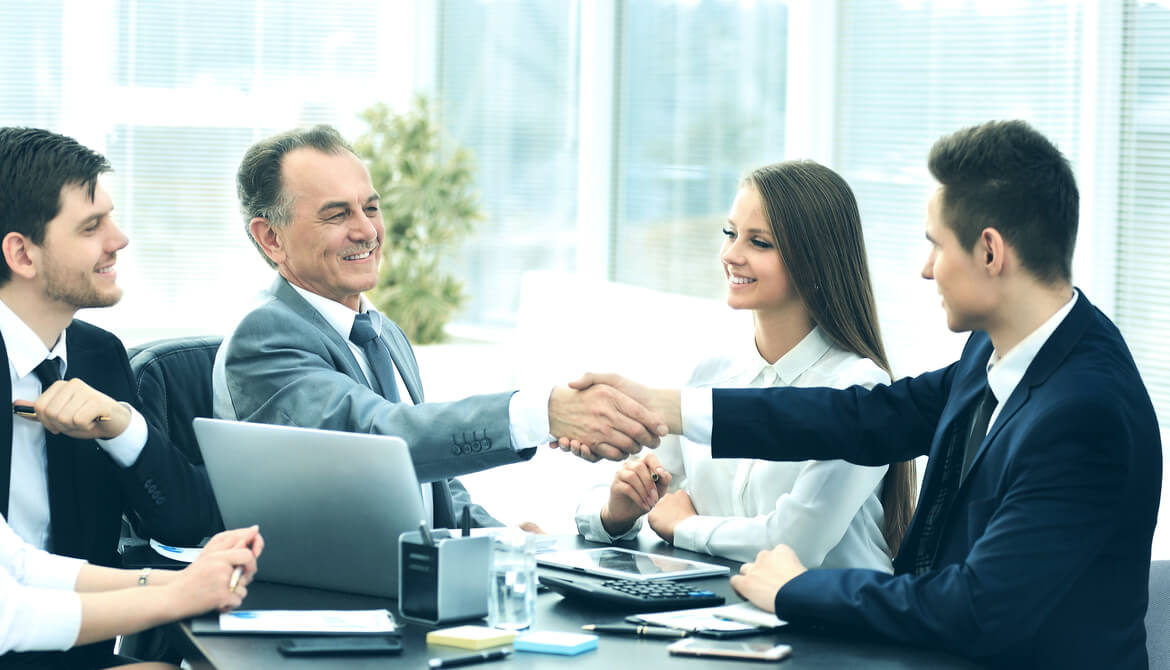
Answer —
(425, 533)
(235, 580)
(654, 476)
(456, 661)
(28, 412)
(643, 631)
(466, 524)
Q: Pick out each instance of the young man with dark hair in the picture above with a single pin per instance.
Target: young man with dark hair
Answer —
(84, 455)
(1031, 543)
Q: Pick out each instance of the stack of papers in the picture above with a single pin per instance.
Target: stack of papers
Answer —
(725, 618)
(551, 642)
(328, 622)
(470, 637)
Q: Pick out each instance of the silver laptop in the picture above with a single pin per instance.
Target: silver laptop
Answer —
(330, 505)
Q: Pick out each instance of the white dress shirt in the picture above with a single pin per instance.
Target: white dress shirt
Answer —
(1005, 372)
(28, 499)
(827, 511)
(39, 610)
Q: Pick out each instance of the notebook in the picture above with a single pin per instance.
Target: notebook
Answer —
(330, 504)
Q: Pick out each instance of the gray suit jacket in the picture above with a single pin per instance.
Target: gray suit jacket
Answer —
(285, 364)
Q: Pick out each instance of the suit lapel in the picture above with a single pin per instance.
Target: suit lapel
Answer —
(400, 352)
(6, 435)
(68, 523)
(1048, 359)
(284, 292)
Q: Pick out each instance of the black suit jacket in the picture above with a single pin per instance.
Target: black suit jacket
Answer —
(1044, 558)
(88, 492)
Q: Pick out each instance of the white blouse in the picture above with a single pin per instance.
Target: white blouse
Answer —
(39, 610)
(827, 511)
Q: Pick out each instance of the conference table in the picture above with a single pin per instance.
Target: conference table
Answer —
(810, 649)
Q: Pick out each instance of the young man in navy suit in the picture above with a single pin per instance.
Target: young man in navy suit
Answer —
(69, 470)
(1031, 543)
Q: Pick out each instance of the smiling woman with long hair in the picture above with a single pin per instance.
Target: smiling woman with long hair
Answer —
(794, 254)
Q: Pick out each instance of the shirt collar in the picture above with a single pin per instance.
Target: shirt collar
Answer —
(338, 315)
(792, 364)
(1005, 372)
(25, 349)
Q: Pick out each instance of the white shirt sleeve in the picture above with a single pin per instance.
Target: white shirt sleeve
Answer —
(126, 448)
(811, 518)
(588, 516)
(528, 418)
(39, 611)
(695, 406)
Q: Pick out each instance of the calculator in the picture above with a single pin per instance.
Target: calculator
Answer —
(633, 594)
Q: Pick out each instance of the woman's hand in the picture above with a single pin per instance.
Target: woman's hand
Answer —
(636, 488)
(208, 583)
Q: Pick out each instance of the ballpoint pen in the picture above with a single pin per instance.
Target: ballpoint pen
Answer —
(642, 631)
(480, 657)
(28, 412)
(235, 580)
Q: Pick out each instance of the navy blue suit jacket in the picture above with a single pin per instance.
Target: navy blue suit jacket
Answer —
(88, 491)
(1044, 559)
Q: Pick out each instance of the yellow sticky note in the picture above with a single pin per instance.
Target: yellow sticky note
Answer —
(470, 637)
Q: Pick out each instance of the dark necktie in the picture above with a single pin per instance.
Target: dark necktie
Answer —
(956, 462)
(48, 371)
(365, 336)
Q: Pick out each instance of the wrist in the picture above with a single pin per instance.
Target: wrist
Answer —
(615, 527)
(666, 404)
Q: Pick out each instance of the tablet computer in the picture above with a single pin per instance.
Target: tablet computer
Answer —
(628, 564)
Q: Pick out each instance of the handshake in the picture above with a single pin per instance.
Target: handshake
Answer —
(607, 416)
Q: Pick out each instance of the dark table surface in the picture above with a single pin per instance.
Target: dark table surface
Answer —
(809, 649)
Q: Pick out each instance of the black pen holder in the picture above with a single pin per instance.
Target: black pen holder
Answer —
(444, 580)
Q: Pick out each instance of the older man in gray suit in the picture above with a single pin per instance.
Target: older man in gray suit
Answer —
(315, 353)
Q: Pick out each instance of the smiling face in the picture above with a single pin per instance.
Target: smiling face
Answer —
(333, 244)
(756, 276)
(76, 259)
(958, 273)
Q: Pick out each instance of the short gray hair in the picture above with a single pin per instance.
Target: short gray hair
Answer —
(259, 184)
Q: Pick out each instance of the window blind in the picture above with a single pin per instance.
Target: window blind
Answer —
(701, 101)
(910, 72)
(1143, 217)
(507, 85)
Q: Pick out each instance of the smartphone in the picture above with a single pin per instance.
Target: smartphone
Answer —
(340, 645)
(760, 651)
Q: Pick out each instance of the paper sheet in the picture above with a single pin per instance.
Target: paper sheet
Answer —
(307, 621)
(184, 554)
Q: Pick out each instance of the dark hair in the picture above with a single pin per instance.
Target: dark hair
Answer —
(35, 165)
(1006, 175)
(814, 219)
(259, 183)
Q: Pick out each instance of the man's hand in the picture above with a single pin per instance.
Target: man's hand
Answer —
(72, 407)
(671, 510)
(760, 581)
(636, 488)
(604, 417)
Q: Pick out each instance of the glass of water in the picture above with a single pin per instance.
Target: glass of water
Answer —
(512, 592)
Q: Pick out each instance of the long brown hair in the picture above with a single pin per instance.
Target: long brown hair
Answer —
(817, 227)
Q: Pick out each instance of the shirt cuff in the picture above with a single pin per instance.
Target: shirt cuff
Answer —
(693, 534)
(125, 448)
(696, 409)
(528, 418)
(588, 518)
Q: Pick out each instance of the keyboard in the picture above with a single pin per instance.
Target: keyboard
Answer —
(634, 595)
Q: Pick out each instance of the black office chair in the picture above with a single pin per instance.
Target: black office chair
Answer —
(173, 377)
(173, 381)
(1158, 616)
